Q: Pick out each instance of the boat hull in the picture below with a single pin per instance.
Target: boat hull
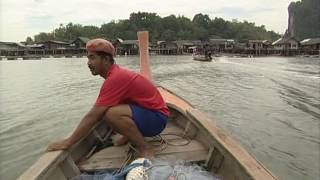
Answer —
(210, 147)
(201, 58)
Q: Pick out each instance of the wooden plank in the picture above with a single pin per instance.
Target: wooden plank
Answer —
(229, 147)
(174, 131)
(113, 157)
(209, 159)
(191, 130)
(110, 163)
(192, 146)
(173, 100)
(143, 38)
(69, 168)
(172, 128)
(47, 165)
(108, 158)
(57, 174)
(43, 167)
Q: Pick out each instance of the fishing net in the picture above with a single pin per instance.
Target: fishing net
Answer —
(178, 170)
(97, 176)
(160, 170)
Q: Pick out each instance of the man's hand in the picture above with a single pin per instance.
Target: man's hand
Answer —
(59, 145)
(82, 130)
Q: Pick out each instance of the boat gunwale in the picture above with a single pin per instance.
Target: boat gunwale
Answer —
(234, 149)
(229, 146)
(48, 161)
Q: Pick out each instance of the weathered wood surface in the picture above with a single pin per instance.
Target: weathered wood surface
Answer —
(113, 157)
(209, 143)
(230, 148)
(175, 101)
(46, 163)
(108, 158)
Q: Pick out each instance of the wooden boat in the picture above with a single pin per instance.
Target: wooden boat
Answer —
(207, 145)
(201, 58)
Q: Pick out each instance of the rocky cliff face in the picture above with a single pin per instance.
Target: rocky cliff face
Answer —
(304, 19)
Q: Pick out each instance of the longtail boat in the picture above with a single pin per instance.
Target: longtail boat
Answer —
(201, 58)
(207, 144)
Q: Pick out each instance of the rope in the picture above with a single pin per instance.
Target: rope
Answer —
(157, 141)
(186, 138)
(126, 161)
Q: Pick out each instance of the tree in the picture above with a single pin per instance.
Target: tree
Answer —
(60, 33)
(202, 20)
(73, 31)
(43, 37)
(90, 32)
(29, 40)
(167, 28)
(200, 33)
(218, 27)
(168, 35)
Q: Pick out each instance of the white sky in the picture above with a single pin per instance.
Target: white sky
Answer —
(22, 18)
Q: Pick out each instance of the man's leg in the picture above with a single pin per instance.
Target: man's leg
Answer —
(120, 119)
(120, 140)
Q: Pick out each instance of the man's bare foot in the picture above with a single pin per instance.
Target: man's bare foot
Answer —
(147, 152)
(120, 140)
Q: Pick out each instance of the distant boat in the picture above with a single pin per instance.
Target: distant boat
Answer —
(198, 56)
(201, 58)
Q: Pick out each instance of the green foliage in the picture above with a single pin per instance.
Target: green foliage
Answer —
(29, 40)
(306, 18)
(41, 37)
(201, 27)
(202, 20)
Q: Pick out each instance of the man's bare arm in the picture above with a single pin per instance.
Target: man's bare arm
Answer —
(88, 121)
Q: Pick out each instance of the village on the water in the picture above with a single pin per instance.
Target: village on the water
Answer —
(57, 49)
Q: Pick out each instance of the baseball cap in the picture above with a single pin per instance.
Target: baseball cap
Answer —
(100, 45)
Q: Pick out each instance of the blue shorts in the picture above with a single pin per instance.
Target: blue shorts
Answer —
(150, 123)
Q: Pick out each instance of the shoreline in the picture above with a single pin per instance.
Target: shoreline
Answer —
(232, 55)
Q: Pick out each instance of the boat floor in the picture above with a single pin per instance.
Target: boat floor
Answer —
(177, 148)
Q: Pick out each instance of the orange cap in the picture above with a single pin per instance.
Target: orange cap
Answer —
(100, 45)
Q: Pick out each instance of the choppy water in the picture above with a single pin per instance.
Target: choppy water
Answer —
(271, 105)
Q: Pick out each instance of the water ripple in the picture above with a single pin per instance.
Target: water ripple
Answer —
(271, 105)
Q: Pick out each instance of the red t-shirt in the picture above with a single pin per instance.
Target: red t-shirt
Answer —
(123, 86)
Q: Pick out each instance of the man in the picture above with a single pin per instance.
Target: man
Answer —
(128, 102)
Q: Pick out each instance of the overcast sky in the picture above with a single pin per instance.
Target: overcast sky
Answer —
(22, 18)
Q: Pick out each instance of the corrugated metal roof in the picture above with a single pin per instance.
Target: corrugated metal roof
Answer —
(219, 41)
(277, 41)
(35, 45)
(11, 45)
(310, 41)
(129, 42)
(53, 41)
(58, 42)
(284, 40)
(84, 39)
(259, 41)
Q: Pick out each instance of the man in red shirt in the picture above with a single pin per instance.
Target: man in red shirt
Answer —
(128, 102)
